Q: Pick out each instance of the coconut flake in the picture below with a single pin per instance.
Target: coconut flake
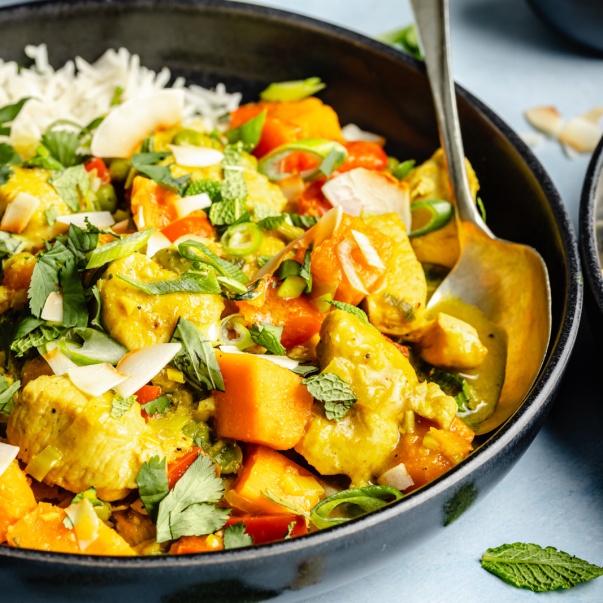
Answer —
(292, 186)
(122, 226)
(126, 126)
(368, 251)
(190, 156)
(344, 253)
(593, 115)
(19, 212)
(100, 219)
(361, 190)
(8, 454)
(581, 135)
(396, 477)
(96, 379)
(142, 365)
(59, 363)
(532, 139)
(53, 307)
(352, 133)
(186, 205)
(85, 522)
(545, 119)
(156, 242)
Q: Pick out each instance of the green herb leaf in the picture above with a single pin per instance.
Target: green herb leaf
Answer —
(86, 346)
(248, 133)
(188, 283)
(81, 242)
(263, 210)
(62, 145)
(121, 248)
(337, 396)
(158, 406)
(198, 252)
(235, 537)
(145, 163)
(272, 222)
(212, 188)
(361, 314)
(8, 155)
(405, 39)
(72, 185)
(305, 369)
(455, 386)
(5, 174)
(189, 508)
(302, 221)
(293, 90)
(8, 113)
(8, 245)
(120, 406)
(51, 215)
(405, 308)
(234, 186)
(229, 212)
(34, 335)
(75, 311)
(538, 569)
(6, 395)
(90, 494)
(294, 268)
(197, 359)
(269, 337)
(358, 501)
(152, 482)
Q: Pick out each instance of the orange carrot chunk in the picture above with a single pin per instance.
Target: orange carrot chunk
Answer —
(263, 403)
(16, 497)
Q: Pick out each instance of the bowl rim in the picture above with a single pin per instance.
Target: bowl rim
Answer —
(593, 183)
(560, 346)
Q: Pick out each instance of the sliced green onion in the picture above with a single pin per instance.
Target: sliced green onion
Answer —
(232, 285)
(248, 133)
(194, 283)
(234, 332)
(293, 90)
(404, 168)
(120, 248)
(292, 286)
(97, 347)
(197, 252)
(359, 500)
(41, 464)
(242, 239)
(332, 155)
(439, 212)
(405, 39)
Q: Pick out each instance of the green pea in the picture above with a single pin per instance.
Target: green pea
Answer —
(119, 169)
(228, 455)
(106, 199)
(191, 137)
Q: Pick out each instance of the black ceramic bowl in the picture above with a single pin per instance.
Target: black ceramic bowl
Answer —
(383, 91)
(591, 240)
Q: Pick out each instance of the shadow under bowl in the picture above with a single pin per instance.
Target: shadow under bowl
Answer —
(383, 91)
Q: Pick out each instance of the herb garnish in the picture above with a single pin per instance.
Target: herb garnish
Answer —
(235, 537)
(158, 406)
(6, 395)
(152, 482)
(120, 406)
(355, 311)
(337, 396)
(269, 337)
(146, 164)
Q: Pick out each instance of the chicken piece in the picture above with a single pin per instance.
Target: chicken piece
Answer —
(448, 342)
(260, 189)
(137, 319)
(97, 449)
(399, 304)
(430, 181)
(34, 181)
(362, 443)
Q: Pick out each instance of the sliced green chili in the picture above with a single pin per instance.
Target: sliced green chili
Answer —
(242, 239)
(293, 90)
(440, 214)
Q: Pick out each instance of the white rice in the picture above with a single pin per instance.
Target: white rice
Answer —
(80, 91)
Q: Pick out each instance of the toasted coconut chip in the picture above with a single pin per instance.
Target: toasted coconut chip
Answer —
(581, 135)
(100, 219)
(8, 454)
(190, 156)
(156, 242)
(532, 139)
(593, 115)
(344, 253)
(85, 522)
(59, 363)
(53, 307)
(545, 119)
(292, 186)
(368, 251)
(121, 227)
(187, 205)
(352, 133)
(96, 379)
(19, 212)
(397, 477)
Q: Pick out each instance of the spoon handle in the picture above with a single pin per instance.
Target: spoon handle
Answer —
(432, 21)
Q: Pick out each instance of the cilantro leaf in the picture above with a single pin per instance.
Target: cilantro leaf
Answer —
(212, 188)
(269, 337)
(234, 186)
(75, 311)
(337, 396)
(351, 310)
(62, 145)
(81, 242)
(188, 509)
(235, 536)
(8, 113)
(145, 163)
(248, 133)
(8, 155)
(72, 185)
(152, 482)
(5, 174)
(197, 359)
(188, 283)
(538, 569)
(158, 406)
(120, 406)
(6, 395)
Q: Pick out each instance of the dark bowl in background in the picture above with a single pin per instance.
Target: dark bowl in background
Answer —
(381, 90)
(591, 241)
(579, 20)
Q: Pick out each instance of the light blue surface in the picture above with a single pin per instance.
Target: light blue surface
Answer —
(554, 495)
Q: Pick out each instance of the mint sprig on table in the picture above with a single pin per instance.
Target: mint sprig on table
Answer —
(538, 569)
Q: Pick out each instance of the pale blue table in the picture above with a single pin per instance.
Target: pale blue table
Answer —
(554, 495)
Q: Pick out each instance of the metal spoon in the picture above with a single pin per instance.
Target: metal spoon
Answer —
(509, 282)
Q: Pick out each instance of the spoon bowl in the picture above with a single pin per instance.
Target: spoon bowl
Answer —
(508, 282)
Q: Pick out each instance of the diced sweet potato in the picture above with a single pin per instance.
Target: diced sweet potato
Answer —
(263, 403)
(152, 204)
(268, 472)
(16, 497)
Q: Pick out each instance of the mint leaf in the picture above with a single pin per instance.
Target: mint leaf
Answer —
(152, 482)
(272, 222)
(228, 212)
(145, 163)
(6, 395)
(302, 221)
(235, 536)
(351, 310)
(158, 406)
(337, 396)
(538, 569)
(62, 145)
(5, 174)
(81, 242)
(234, 186)
(197, 359)
(120, 406)
(269, 337)
(72, 185)
(33, 333)
(212, 188)
(188, 283)
(455, 386)
(263, 210)
(189, 508)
